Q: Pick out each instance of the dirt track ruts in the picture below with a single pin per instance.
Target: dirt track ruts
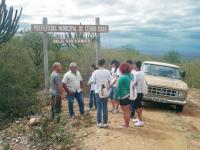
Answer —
(164, 129)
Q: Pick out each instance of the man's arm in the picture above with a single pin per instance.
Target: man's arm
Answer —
(64, 81)
(135, 79)
(65, 88)
(81, 81)
(60, 90)
(90, 81)
(81, 84)
(109, 80)
(59, 86)
(114, 82)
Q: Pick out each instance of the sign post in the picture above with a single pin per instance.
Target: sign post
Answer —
(98, 42)
(46, 65)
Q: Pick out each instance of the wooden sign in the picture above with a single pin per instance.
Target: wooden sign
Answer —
(72, 41)
(69, 28)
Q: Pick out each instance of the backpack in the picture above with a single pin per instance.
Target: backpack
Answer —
(133, 92)
(103, 91)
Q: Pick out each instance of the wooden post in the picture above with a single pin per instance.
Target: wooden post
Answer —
(98, 42)
(46, 65)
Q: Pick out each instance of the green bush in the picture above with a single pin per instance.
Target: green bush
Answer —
(17, 80)
(172, 57)
(192, 70)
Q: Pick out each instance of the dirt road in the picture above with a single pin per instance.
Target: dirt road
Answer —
(164, 129)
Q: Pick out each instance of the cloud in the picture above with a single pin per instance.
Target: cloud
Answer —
(88, 3)
(25, 17)
(147, 24)
(195, 35)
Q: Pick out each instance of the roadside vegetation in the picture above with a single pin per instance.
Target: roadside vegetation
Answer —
(21, 83)
(21, 74)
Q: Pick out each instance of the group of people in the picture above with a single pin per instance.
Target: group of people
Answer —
(71, 84)
(104, 84)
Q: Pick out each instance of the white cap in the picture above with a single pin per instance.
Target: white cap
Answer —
(73, 64)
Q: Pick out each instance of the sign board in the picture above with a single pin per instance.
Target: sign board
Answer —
(69, 28)
(72, 41)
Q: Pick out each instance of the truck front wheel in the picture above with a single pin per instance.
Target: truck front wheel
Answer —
(179, 108)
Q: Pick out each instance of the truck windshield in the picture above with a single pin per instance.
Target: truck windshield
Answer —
(164, 71)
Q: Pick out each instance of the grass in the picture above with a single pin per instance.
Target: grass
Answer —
(6, 146)
(49, 133)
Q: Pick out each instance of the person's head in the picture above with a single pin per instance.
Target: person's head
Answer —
(57, 67)
(138, 65)
(102, 63)
(125, 68)
(73, 67)
(115, 63)
(134, 65)
(93, 67)
(130, 63)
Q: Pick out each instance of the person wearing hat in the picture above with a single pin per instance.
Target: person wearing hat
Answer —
(72, 84)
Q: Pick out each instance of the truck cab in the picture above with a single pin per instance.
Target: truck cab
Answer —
(165, 84)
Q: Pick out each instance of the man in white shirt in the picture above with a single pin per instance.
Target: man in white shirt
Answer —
(92, 90)
(101, 77)
(133, 72)
(138, 102)
(72, 83)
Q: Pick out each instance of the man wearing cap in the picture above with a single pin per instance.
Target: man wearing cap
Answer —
(72, 83)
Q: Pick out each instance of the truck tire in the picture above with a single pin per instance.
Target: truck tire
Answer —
(179, 108)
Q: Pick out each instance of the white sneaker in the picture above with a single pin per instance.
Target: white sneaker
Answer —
(99, 125)
(111, 110)
(139, 124)
(73, 117)
(135, 120)
(114, 111)
(105, 125)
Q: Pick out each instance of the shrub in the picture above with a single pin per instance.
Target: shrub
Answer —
(172, 57)
(192, 73)
(17, 74)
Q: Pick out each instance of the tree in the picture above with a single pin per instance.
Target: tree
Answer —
(172, 57)
(8, 22)
(33, 42)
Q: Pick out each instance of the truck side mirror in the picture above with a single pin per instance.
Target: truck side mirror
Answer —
(183, 73)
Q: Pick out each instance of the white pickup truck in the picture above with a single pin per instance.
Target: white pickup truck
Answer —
(165, 84)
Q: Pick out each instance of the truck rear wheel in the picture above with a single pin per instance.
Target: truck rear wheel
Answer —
(179, 108)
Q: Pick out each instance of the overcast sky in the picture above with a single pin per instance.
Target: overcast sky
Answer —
(145, 24)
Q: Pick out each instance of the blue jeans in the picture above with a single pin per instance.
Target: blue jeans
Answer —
(102, 107)
(92, 99)
(113, 92)
(79, 98)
